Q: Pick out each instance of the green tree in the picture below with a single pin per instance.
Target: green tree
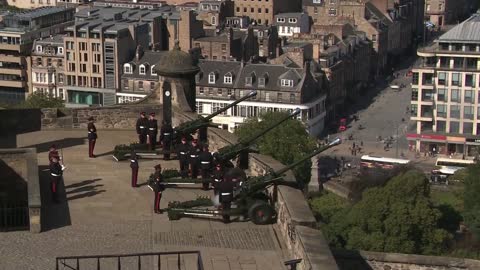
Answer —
(327, 205)
(287, 143)
(471, 201)
(40, 100)
(398, 217)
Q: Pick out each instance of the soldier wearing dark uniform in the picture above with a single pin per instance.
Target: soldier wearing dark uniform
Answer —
(142, 127)
(53, 152)
(166, 133)
(193, 155)
(134, 166)
(182, 153)
(225, 190)
(206, 160)
(217, 177)
(92, 137)
(152, 132)
(157, 188)
(56, 173)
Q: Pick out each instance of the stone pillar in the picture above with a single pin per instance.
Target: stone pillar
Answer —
(314, 185)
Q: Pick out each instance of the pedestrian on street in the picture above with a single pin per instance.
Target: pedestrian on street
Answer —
(142, 127)
(182, 153)
(206, 163)
(193, 153)
(166, 132)
(152, 132)
(361, 143)
(134, 166)
(157, 188)
(56, 173)
(92, 136)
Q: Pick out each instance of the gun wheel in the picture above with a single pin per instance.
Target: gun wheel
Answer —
(261, 213)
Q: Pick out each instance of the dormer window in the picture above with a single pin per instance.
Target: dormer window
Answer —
(287, 83)
(152, 70)
(205, 7)
(127, 69)
(292, 20)
(142, 70)
(39, 48)
(261, 82)
(214, 7)
(281, 20)
(212, 78)
(228, 78)
(248, 81)
(60, 50)
(317, 1)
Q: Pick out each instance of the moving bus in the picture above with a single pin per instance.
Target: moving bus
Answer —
(381, 162)
(449, 166)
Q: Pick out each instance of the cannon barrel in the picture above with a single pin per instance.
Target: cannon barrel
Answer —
(229, 152)
(249, 95)
(191, 126)
(255, 184)
(303, 159)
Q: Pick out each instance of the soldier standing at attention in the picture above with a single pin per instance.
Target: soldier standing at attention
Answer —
(217, 176)
(134, 166)
(182, 153)
(142, 126)
(206, 160)
(157, 188)
(166, 132)
(225, 189)
(92, 136)
(56, 173)
(152, 132)
(194, 152)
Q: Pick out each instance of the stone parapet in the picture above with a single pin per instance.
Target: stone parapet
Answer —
(21, 168)
(367, 260)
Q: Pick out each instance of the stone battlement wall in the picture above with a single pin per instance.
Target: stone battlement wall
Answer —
(366, 260)
(20, 166)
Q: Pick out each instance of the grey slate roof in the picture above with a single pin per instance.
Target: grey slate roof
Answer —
(149, 58)
(467, 31)
(39, 12)
(272, 74)
(56, 40)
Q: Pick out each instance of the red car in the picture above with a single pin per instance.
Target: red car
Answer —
(342, 125)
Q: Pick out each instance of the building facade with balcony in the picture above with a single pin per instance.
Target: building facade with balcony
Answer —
(446, 91)
(18, 31)
(279, 88)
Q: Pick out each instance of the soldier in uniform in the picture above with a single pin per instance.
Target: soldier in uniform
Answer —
(142, 126)
(166, 132)
(152, 131)
(56, 173)
(157, 188)
(206, 160)
(217, 177)
(193, 153)
(225, 189)
(53, 152)
(92, 136)
(134, 166)
(182, 153)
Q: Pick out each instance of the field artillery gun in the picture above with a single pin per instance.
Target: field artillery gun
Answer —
(186, 129)
(250, 201)
(224, 155)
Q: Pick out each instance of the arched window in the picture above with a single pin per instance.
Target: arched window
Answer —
(127, 68)
(212, 78)
(152, 70)
(214, 20)
(39, 48)
(142, 70)
(228, 78)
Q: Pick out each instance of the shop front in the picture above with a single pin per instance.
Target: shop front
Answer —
(443, 145)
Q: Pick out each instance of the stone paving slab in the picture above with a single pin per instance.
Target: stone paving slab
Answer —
(102, 214)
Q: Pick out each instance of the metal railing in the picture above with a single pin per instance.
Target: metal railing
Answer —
(13, 216)
(74, 262)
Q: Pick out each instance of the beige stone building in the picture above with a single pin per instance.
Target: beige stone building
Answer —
(18, 32)
(446, 92)
(263, 11)
(443, 12)
(47, 69)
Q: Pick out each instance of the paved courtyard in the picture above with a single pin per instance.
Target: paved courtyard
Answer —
(102, 214)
